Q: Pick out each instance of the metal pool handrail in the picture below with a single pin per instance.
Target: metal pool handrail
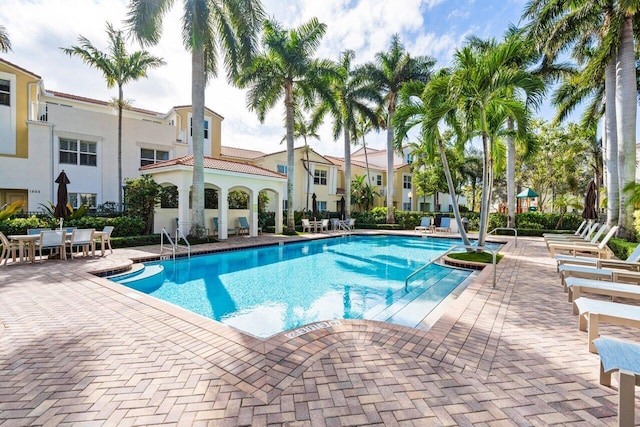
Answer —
(187, 246)
(173, 245)
(484, 248)
(515, 232)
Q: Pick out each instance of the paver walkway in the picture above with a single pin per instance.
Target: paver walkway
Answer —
(76, 349)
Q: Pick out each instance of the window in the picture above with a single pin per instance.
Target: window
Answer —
(206, 128)
(320, 177)
(282, 169)
(322, 206)
(409, 158)
(406, 206)
(379, 180)
(78, 199)
(285, 205)
(149, 156)
(5, 92)
(406, 181)
(75, 152)
(169, 197)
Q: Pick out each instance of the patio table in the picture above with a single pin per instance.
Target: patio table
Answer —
(30, 239)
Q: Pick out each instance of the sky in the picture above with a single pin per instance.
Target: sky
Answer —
(39, 28)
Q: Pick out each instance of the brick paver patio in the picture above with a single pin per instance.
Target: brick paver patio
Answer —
(76, 349)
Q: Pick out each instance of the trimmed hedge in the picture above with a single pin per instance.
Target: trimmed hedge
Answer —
(621, 248)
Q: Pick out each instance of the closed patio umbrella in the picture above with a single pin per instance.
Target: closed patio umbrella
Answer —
(61, 210)
(342, 207)
(314, 205)
(589, 211)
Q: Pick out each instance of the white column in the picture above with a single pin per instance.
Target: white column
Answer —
(223, 211)
(184, 219)
(253, 212)
(279, 199)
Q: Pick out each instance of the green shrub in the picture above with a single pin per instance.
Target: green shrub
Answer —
(20, 225)
(621, 248)
(130, 241)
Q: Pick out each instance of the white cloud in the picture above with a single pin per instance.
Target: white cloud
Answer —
(38, 28)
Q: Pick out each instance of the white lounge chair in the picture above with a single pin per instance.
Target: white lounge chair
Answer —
(578, 285)
(587, 238)
(624, 357)
(576, 233)
(630, 263)
(588, 272)
(244, 225)
(425, 225)
(592, 312)
(601, 250)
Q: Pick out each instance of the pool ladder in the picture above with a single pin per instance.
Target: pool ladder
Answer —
(174, 244)
(483, 248)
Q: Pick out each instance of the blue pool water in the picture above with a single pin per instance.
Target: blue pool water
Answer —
(268, 290)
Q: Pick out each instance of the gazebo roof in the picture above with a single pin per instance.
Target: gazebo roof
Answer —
(217, 164)
(528, 193)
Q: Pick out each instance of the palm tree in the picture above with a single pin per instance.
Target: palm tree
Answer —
(391, 70)
(119, 68)
(5, 42)
(363, 127)
(484, 85)
(605, 30)
(302, 128)
(428, 106)
(352, 98)
(209, 28)
(287, 70)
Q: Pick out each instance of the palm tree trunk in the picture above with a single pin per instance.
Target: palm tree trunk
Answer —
(309, 176)
(626, 108)
(611, 152)
(484, 199)
(366, 160)
(288, 104)
(511, 176)
(347, 172)
(197, 135)
(391, 219)
(452, 193)
(120, 182)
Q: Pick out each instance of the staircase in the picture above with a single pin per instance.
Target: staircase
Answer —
(433, 285)
(147, 279)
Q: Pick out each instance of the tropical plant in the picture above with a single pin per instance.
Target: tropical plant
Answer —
(119, 68)
(392, 70)
(362, 194)
(363, 127)
(5, 42)
(286, 69)
(142, 194)
(428, 106)
(209, 28)
(485, 89)
(9, 209)
(600, 35)
(353, 96)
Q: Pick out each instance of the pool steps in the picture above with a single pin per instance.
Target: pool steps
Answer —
(146, 279)
(410, 308)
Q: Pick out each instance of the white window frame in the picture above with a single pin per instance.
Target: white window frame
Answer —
(76, 199)
(322, 206)
(406, 182)
(319, 177)
(155, 159)
(282, 169)
(81, 150)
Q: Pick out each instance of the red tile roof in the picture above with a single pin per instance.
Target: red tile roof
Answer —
(218, 164)
(240, 153)
(98, 102)
(339, 161)
(19, 68)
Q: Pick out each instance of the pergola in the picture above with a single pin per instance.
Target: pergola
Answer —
(223, 176)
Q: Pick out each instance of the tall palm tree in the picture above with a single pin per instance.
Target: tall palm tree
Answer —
(286, 69)
(119, 68)
(363, 127)
(5, 42)
(303, 128)
(391, 70)
(428, 106)
(209, 28)
(353, 97)
(606, 27)
(484, 85)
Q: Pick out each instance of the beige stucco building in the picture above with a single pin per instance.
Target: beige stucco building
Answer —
(43, 132)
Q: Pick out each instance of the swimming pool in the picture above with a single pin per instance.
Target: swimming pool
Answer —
(267, 290)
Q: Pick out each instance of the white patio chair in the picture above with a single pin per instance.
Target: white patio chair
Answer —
(83, 238)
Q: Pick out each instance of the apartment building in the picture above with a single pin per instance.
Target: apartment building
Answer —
(43, 132)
